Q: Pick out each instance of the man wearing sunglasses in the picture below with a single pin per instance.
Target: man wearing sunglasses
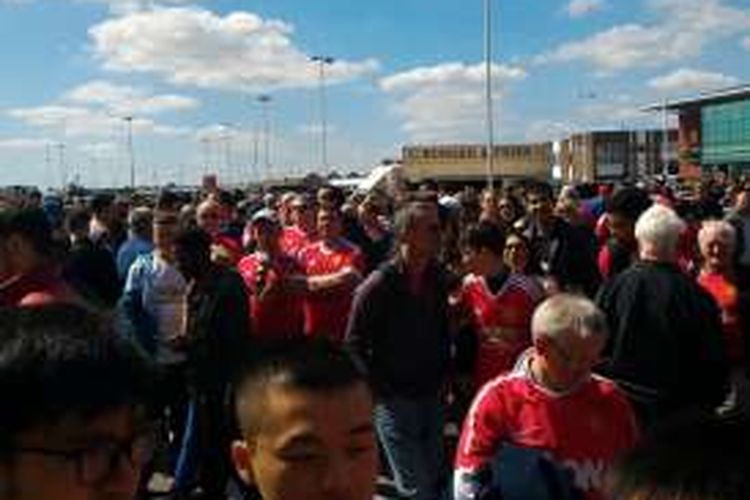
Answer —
(75, 421)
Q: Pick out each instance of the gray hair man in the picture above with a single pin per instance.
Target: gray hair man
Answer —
(510, 446)
(666, 348)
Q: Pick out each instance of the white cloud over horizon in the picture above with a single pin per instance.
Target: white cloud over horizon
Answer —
(125, 100)
(682, 30)
(22, 143)
(445, 102)
(79, 121)
(691, 80)
(194, 47)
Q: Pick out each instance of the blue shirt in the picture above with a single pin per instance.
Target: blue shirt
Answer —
(129, 251)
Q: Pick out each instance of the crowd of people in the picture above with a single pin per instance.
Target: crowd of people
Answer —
(528, 342)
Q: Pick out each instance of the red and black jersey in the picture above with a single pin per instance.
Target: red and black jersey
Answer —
(502, 321)
(580, 431)
(277, 315)
(293, 240)
(327, 314)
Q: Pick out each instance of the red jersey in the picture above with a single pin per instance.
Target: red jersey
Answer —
(580, 431)
(278, 315)
(502, 321)
(293, 240)
(327, 313)
(41, 287)
(726, 295)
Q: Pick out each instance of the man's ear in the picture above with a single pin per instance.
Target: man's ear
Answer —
(542, 345)
(242, 460)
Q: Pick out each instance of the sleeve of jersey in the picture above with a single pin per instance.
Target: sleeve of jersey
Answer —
(604, 261)
(482, 434)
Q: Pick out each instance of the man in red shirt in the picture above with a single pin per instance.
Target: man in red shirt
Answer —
(275, 310)
(31, 275)
(302, 232)
(572, 424)
(334, 267)
(500, 304)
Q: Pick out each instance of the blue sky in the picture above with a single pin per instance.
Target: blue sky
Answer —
(406, 71)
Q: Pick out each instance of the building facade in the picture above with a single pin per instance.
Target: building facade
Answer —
(714, 131)
(617, 155)
(468, 162)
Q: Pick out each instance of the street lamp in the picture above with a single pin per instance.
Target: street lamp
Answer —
(322, 62)
(206, 142)
(61, 164)
(227, 137)
(665, 141)
(131, 153)
(488, 93)
(265, 102)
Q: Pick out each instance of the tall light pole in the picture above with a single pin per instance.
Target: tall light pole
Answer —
(206, 142)
(488, 94)
(47, 160)
(131, 153)
(665, 140)
(61, 164)
(265, 102)
(227, 137)
(322, 62)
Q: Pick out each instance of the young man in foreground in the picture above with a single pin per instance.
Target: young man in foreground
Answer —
(305, 411)
(75, 421)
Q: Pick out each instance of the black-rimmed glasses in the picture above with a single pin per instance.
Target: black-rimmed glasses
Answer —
(99, 461)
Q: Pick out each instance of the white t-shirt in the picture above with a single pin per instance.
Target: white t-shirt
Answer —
(164, 290)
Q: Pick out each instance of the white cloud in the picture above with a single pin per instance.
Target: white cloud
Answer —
(746, 42)
(581, 8)
(100, 149)
(76, 121)
(124, 100)
(688, 80)
(191, 46)
(682, 30)
(445, 102)
(22, 144)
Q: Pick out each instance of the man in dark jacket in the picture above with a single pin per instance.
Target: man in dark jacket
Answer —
(399, 327)
(564, 254)
(217, 332)
(89, 267)
(666, 348)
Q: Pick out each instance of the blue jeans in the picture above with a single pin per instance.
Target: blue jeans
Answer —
(411, 434)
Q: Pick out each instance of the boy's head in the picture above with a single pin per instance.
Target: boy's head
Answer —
(75, 422)
(483, 248)
(625, 207)
(569, 333)
(305, 411)
(26, 239)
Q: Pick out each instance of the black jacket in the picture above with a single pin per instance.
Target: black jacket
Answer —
(666, 347)
(218, 329)
(91, 271)
(568, 253)
(403, 339)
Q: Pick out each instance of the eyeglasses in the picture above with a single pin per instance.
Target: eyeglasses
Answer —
(98, 462)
